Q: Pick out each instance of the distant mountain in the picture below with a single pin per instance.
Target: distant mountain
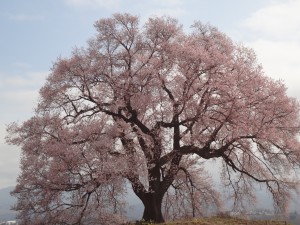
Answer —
(134, 210)
(6, 202)
(135, 207)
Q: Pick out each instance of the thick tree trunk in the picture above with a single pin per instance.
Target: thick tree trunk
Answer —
(152, 212)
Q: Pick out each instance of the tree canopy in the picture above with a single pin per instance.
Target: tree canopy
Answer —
(149, 106)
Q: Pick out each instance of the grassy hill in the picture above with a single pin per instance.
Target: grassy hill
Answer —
(220, 221)
(227, 221)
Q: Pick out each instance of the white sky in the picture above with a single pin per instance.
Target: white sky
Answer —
(34, 33)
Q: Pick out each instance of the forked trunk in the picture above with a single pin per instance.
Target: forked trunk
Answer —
(152, 211)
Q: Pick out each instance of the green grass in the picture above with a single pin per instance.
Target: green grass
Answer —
(221, 221)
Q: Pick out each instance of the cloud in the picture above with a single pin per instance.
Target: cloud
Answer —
(280, 60)
(24, 17)
(278, 20)
(18, 97)
(28, 80)
(19, 94)
(274, 34)
(92, 4)
(19, 101)
(21, 65)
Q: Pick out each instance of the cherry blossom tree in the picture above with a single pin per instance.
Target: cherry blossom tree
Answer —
(150, 106)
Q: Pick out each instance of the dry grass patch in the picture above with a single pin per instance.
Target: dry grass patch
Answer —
(225, 221)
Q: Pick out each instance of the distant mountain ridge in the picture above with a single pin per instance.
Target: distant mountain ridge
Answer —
(134, 208)
(6, 202)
